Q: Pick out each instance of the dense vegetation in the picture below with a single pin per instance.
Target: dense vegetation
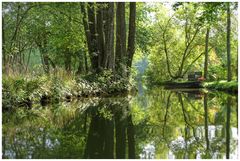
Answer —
(61, 50)
(52, 49)
(71, 72)
(192, 37)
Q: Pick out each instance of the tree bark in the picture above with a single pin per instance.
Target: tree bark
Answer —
(86, 62)
(121, 39)
(206, 54)
(93, 39)
(131, 34)
(229, 76)
(108, 58)
(100, 37)
(87, 33)
(3, 47)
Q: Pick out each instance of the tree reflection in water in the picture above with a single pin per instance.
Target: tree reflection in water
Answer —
(100, 140)
(159, 124)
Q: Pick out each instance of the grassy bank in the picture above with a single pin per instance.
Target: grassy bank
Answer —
(222, 85)
(26, 90)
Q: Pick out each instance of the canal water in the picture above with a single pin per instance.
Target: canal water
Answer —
(156, 124)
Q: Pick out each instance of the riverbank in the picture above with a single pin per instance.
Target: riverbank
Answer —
(24, 91)
(222, 85)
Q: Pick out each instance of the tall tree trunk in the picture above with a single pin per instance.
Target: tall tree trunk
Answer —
(100, 37)
(93, 39)
(121, 39)
(131, 34)
(3, 47)
(87, 33)
(108, 59)
(206, 54)
(229, 76)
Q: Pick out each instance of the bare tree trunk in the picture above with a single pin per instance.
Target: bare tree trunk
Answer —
(86, 62)
(206, 54)
(229, 77)
(121, 39)
(93, 39)
(87, 33)
(3, 48)
(100, 37)
(131, 34)
(108, 59)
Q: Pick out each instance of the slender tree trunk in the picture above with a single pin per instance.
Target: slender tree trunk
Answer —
(228, 127)
(3, 47)
(100, 38)
(81, 62)
(206, 121)
(44, 59)
(28, 60)
(229, 77)
(206, 54)
(85, 62)
(68, 60)
(131, 34)
(121, 39)
(87, 33)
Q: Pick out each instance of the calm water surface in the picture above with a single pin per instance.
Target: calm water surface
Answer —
(155, 124)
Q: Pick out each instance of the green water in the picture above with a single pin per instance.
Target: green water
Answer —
(154, 124)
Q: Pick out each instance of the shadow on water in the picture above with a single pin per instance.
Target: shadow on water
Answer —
(159, 124)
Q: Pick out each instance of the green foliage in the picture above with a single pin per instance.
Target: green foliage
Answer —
(222, 85)
(179, 24)
(60, 86)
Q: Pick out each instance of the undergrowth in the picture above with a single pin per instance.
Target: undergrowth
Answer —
(24, 90)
